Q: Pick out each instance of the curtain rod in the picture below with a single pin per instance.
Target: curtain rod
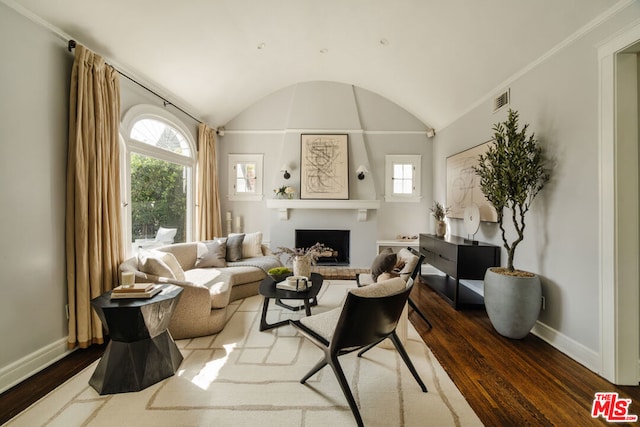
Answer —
(72, 45)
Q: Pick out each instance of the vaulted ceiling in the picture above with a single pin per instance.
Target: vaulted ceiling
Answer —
(214, 58)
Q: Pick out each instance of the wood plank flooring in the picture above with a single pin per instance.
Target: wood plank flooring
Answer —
(510, 382)
(506, 382)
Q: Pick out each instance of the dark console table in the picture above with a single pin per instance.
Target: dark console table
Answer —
(458, 259)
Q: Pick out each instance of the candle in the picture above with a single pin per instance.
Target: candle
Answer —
(238, 225)
(228, 215)
(128, 278)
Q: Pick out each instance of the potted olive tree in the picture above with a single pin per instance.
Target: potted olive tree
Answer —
(512, 172)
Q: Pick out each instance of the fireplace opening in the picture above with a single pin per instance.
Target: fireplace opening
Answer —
(337, 240)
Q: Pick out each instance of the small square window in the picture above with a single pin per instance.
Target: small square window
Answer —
(245, 177)
(402, 178)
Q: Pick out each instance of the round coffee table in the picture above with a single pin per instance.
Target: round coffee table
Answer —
(269, 291)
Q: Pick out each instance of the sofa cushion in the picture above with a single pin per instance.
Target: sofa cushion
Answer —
(251, 245)
(212, 253)
(244, 274)
(234, 247)
(158, 263)
(217, 281)
(382, 263)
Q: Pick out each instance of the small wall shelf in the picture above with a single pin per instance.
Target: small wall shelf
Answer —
(283, 206)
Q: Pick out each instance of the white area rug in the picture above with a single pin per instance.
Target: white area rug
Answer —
(243, 377)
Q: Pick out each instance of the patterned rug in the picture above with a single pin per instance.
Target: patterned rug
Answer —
(243, 377)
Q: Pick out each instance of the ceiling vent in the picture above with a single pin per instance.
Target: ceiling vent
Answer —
(501, 100)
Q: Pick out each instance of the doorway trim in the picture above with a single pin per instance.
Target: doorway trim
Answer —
(618, 282)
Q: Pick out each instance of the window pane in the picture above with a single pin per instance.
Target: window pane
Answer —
(245, 178)
(158, 197)
(402, 178)
(397, 186)
(159, 134)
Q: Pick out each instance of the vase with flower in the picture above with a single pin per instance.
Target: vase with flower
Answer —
(284, 192)
(303, 258)
(439, 212)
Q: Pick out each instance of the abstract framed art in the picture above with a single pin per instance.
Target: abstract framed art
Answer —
(463, 185)
(324, 166)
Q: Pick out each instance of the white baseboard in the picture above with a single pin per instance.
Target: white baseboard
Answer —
(31, 364)
(578, 352)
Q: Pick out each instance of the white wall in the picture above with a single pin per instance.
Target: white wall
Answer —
(559, 99)
(375, 126)
(34, 77)
(34, 83)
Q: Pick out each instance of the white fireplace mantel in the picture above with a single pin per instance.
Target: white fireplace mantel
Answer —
(283, 206)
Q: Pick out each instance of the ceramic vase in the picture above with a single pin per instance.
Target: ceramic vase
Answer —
(302, 266)
(441, 228)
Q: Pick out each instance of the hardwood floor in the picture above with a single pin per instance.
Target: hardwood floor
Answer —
(506, 382)
(510, 382)
(21, 396)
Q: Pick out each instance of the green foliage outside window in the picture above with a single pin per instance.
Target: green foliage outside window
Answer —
(158, 197)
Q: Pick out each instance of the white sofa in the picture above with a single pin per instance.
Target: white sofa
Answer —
(202, 309)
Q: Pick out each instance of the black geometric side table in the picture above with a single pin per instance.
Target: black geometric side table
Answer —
(141, 351)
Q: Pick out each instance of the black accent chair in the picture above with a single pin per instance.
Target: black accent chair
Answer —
(413, 276)
(362, 323)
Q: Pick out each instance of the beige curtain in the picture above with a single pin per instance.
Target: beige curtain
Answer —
(209, 225)
(94, 247)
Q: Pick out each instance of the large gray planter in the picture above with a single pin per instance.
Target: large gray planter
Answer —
(512, 303)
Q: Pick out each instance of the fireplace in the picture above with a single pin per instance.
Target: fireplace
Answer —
(337, 240)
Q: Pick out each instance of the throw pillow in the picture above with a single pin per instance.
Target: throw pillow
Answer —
(162, 264)
(409, 262)
(383, 263)
(212, 253)
(251, 245)
(234, 247)
(381, 288)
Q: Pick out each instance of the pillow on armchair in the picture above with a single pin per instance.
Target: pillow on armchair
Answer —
(406, 263)
(383, 263)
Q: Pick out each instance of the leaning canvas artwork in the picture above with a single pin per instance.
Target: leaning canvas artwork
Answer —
(463, 185)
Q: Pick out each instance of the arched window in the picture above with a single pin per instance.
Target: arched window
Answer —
(158, 169)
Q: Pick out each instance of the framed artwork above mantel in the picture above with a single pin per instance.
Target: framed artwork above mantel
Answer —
(463, 185)
(324, 166)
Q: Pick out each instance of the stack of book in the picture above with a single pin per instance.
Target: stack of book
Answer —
(138, 290)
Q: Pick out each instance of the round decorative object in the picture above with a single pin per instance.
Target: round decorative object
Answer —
(472, 218)
(441, 228)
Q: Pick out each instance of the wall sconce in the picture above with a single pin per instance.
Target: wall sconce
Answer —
(361, 171)
(285, 169)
